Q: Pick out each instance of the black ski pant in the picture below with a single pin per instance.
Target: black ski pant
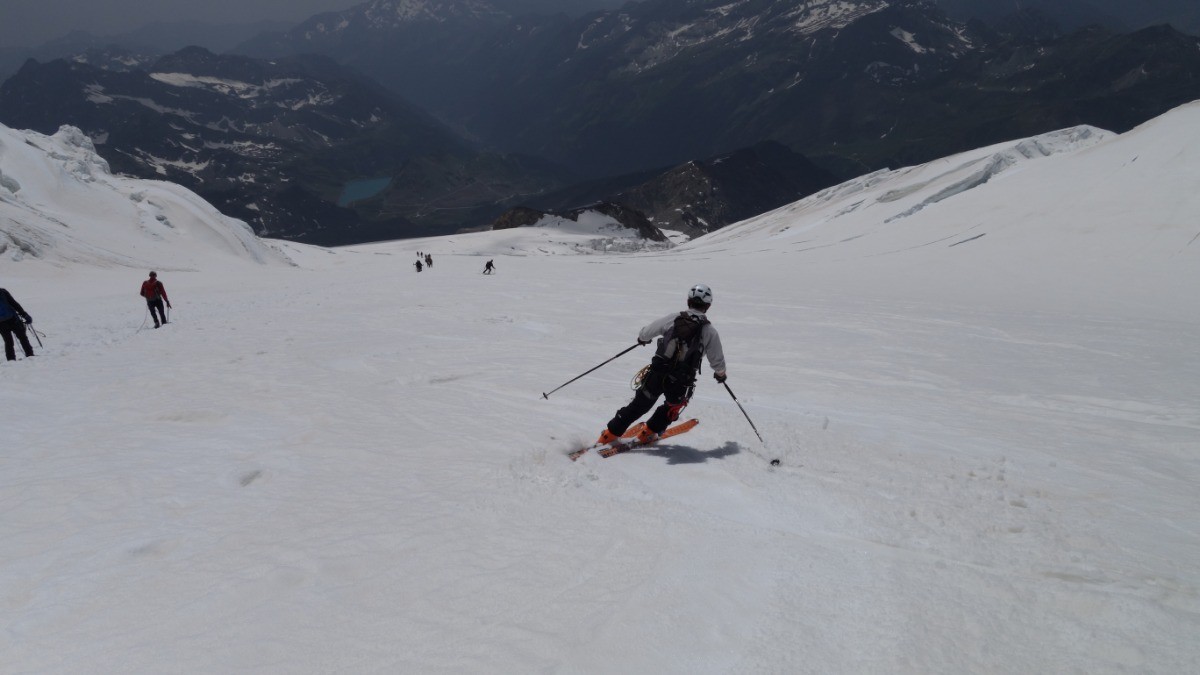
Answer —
(675, 389)
(156, 304)
(8, 328)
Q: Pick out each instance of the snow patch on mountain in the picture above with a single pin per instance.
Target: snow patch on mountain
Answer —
(382, 15)
(908, 39)
(732, 23)
(276, 88)
(813, 17)
(221, 85)
(431, 10)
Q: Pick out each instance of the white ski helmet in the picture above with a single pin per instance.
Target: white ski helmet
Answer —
(700, 293)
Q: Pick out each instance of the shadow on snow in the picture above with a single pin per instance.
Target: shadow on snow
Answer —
(681, 454)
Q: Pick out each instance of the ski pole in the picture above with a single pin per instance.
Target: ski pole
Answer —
(739, 405)
(546, 395)
(37, 336)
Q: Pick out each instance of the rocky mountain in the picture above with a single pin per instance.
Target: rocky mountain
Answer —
(151, 40)
(855, 84)
(700, 196)
(653, 83)
(429, 51)
(619, 215)
(1118, 15)
(300, 148)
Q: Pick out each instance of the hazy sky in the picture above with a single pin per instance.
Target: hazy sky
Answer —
(32, 22)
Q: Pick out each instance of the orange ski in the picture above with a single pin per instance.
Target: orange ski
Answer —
(619, 447)
(629, 433)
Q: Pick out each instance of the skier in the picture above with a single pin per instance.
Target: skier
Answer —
(429, 261)
(155, 293)
(418, 263)
(672, 374)
(10, 309)
(489, 268)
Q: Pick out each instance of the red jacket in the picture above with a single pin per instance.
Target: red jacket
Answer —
(153, 289)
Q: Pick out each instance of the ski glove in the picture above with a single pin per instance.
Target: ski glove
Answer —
(28, 319)
(719, 377)
(643, 343)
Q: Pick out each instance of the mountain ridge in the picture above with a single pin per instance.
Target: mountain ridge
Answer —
(853, 84)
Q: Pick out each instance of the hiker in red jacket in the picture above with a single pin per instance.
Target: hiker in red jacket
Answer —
(155, 294)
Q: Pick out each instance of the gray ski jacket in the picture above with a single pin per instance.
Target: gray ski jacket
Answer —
(708, 337)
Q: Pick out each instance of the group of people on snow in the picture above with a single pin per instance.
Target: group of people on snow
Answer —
(684, 338)
(425, 260)
(14, 318)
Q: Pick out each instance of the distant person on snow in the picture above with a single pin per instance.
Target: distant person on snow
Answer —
(155, 294)
(672, 374)
(489, 268)
(418, 265)
(429, 261)
(10, 309)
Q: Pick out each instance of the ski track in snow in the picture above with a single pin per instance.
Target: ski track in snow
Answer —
(355, 469)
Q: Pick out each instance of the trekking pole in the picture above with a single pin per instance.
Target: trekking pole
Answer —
(547, 395)
(739, 405)
(36, 335)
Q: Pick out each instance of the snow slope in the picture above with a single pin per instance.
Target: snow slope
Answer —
(1076, 216)
(60, 203)
(989, 446)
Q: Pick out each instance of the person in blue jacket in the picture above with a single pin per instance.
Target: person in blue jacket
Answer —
(11, 325)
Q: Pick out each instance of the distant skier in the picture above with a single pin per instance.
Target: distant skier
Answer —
(418, 264)
(489, 268)
(10, 325)
(672, 374)
(155, 294)
(429, 261)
